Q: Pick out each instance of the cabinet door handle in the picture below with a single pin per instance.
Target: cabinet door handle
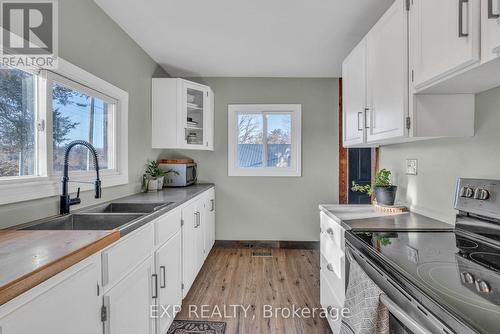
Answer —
(492, 15)
(330, 267)
(367, 117)
(197, 220)
(213, 205)
(329, 231)
(154, 278)
(163, 277)
(461, 32)
(360, 127)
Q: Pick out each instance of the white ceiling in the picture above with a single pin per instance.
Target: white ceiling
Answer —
(247, 38)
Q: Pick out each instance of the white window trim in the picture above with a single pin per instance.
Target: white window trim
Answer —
(18, 189)
(295, 170)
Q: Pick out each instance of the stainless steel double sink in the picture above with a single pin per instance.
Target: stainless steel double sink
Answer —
(103, 217)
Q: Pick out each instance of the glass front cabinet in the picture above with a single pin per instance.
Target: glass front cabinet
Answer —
(183, 114)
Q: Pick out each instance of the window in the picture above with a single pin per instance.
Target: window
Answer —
(17, 123)
(84, 114)
(40, 113)
(264, 140)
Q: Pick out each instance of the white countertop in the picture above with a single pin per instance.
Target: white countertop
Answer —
(367, 218)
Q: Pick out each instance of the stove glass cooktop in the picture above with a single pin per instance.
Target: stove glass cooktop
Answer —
(459, 273)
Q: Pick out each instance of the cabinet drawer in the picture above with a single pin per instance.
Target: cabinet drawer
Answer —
(335, 275)
(333, 229)
(332, 252)
(328, 300)
(167, 225)
(126, 254)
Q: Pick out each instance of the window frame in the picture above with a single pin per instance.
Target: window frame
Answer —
(46, 183)
(295, 110)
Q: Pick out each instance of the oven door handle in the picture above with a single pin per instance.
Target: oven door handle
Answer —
(402, 316)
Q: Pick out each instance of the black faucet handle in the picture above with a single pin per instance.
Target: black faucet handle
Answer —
(98, 189)
(78, 193)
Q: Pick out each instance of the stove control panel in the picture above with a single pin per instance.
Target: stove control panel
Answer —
(478, 196)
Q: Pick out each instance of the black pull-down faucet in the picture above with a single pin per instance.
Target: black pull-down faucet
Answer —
(66, 201)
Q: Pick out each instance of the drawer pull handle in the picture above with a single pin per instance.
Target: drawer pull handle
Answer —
(330, 267)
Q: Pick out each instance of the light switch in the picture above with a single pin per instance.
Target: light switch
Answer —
(411, 166)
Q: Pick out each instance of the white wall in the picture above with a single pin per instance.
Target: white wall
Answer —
(274, 208)
(89, 39)
(442, 161)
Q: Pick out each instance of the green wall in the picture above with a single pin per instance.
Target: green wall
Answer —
(274, 208)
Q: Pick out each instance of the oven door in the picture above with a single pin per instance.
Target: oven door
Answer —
(191, 174)
(406, 313)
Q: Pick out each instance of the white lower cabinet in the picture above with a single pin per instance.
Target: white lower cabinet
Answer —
(169, 270)
(66, 303)
(128, 304)
(133, 286)
(190, 248)
(208, 219)
(333, 267)
(198, 236)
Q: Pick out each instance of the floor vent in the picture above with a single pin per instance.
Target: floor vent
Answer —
(262, 253)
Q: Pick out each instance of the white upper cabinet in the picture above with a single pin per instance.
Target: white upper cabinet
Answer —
(455, 46)
(490, 29)
(380, 105)
(182, 115)
(387, 75)
(445, 38)
(354, 95)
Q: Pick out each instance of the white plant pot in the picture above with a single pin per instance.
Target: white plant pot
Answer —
(160, 182)
(152, 185)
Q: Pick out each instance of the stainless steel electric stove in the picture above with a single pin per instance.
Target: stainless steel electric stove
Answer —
(442, 282)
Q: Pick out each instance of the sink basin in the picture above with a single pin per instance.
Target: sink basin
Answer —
(127, 208)
(86, 221)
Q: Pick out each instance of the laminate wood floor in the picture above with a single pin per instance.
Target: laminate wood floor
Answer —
(233, 277)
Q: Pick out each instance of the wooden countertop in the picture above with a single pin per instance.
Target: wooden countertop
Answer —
(28, 258)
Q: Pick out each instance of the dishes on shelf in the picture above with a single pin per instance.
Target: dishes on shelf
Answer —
(192, 138)
(193, 106)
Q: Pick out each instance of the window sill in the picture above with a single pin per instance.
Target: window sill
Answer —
(265, 172)
(32, 188)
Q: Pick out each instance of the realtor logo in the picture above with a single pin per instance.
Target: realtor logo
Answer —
(29, 33)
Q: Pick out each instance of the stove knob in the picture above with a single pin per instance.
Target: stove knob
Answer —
(467, 278)
(482, 286)
(481, 194)
(466, 192)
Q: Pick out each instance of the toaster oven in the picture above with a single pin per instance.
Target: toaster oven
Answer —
(179, 173)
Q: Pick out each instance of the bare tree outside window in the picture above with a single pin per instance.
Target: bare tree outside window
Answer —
(17, 123)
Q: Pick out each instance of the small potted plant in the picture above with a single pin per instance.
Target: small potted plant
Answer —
(154, 177)
(385, 191)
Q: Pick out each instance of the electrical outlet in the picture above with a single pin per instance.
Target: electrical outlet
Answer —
(411, 166)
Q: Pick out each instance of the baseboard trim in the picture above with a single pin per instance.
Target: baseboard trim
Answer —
(273, 244)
